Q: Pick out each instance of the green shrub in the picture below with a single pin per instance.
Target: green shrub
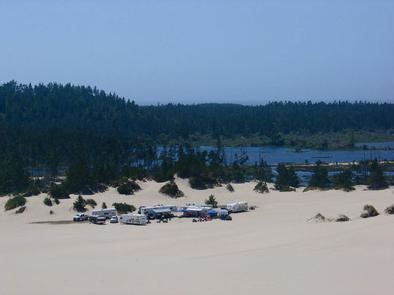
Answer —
(211, 201)
(47, 201)
(202, 182)
(79, 204)
(15, 202)
(261, 187)
(20, 210)
(171, 189)
(344, 180)
(123, 208)
(51, 212)
(229, 187)
(57, 202)
(59, 191)
(92, 203)
(103, 205)
(128, 188)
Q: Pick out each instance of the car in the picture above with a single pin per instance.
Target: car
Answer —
(114, 219)
(80, 217)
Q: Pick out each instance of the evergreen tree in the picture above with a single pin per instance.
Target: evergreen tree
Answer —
(376, 179)
(286, 178)
(344, 180)
(211, 201)
(319, 178)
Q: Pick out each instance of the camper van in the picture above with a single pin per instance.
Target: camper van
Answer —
(107, 213)
(237, 207)
(137, 219)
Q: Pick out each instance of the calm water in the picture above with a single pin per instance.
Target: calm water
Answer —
(275, 155)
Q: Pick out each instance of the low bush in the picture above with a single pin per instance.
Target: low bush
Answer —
(51, 212)
(59, 191)
(79, 204)
(202, 182)
(261, 187)
(229, 187)
(57, 202)
(369, 211)
(123, 208)
(128, 187)
(92, 203)
(47, 201)
(104, 205)
(171, 189)
(20, 210)
(15, 202)
(389, 210)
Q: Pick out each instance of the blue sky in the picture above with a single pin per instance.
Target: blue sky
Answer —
(246, 52)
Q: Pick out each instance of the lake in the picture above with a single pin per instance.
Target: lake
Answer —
(275, 155)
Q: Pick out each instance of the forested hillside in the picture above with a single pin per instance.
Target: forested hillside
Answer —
(56, 125)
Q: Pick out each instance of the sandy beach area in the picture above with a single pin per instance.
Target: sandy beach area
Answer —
(271, 250)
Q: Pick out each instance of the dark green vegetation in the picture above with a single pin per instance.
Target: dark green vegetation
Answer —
(319, 179)
(20, 210)
(171, 189)
(123, 208)
(79, 204)
(376, 179)
(127, 187)
(95, 138)
(211, 201)
(229, 187)
(287, 179)
(14, 202)
(48, 202)
(90, 202)
(261, 187)
(344, 180)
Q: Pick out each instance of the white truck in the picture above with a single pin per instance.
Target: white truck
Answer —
(237, 207)
(133, 218)
(107, 213)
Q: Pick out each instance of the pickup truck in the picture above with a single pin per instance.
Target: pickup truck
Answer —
(80, 217)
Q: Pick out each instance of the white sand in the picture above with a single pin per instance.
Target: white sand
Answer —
(272, 250)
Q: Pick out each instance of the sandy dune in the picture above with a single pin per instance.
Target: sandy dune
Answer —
(272, 250)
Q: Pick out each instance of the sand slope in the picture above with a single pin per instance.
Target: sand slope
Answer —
(272, 250)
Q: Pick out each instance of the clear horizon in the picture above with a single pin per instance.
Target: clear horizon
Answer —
(243, 52)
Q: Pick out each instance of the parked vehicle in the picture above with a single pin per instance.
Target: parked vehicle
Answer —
(114, 219)
(137, 219)
(237, 207)
(80, 217)
(97, 219)
(107, 213)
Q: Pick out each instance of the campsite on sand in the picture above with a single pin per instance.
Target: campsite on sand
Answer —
(275, 249)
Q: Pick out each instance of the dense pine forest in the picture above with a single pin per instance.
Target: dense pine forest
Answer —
(87, 131)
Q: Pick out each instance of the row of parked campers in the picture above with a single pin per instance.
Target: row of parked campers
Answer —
(161, 211)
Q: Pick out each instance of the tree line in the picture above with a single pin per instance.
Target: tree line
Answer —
(98, 137)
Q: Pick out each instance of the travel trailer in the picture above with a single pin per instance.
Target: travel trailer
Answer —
(137, 219)
(237, 207)
(158, 211)
(107, 213)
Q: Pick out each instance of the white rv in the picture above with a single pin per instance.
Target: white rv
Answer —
(137, 219)
(107, 213)
(237, 207)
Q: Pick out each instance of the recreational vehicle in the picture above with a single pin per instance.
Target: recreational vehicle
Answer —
(195, 211)
(107, 213)
(158, 211)
(237, 207)
(137, 219)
